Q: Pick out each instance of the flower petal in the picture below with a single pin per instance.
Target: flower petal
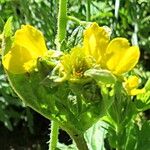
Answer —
(15, 60)
(27, 46)
(120, 56)
(136, 91)
(131, 85)
(95, 41)
(31, 39)
(132, 82)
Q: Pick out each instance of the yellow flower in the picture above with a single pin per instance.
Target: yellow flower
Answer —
(27, 46)
(131, 85)
(116, 55)
(74, 64)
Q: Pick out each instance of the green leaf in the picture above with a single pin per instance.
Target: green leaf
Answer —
(7, 40)
(144, 137)
(143, 101)
(95, 136)
(61, 146)
(147, 85)
(8, 28)
(5, 118)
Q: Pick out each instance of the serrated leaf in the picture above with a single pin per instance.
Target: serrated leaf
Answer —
(75, 37)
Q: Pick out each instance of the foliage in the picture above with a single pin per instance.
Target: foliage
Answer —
(129, 19)
(12, 110)
(40, 16)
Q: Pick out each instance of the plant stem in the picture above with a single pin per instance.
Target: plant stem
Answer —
(79, 140)
(117, 6)
(80, 22)
(61, 23)
(88, 10)
(53, 135)
(61, 34)
(117, 142)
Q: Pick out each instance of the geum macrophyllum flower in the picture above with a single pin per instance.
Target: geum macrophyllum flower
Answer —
(112, 57)
(73, 65)
(131, 85)
(28, 45)
(116, 55)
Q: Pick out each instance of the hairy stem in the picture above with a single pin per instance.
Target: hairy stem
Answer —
(88, 10)
(53, 135)
(61, 23)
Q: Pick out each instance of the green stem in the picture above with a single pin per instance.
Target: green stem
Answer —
(80, 22)
(117, 141)
(88, 10)
(79, 140)
(61, 23)
(53, 135)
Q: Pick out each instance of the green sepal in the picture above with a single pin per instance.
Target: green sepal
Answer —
(147, 85)
(142, 101)
(7, 36)
(102, 76)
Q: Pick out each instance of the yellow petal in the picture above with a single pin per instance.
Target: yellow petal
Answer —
(95, 41)
(31, 39)
(28, 45)
(131, 85)
(132, 82)
(120, 56)
(66, 63)
(75, 63)
(136, 91)
(14, 61)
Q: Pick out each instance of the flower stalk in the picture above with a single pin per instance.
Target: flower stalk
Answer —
(61, 23)
(61, 34)
(76, 20)
(53, 135)
(88, 10)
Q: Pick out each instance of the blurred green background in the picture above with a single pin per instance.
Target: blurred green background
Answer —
(20, 127)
